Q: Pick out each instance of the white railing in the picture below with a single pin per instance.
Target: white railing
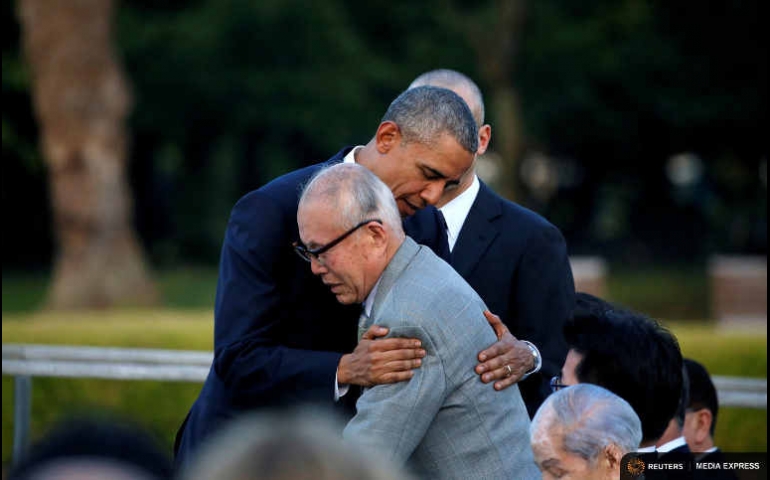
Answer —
(26, 361)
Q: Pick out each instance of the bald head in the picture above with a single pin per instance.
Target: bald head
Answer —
(458, 83)
(354, 193)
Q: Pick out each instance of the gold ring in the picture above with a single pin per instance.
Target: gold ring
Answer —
(510, 371)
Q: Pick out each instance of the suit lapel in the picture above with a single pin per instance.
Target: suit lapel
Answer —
(478, 232)
(393, 271)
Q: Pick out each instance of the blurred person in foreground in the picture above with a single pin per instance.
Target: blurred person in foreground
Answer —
(444, 422)
(94, 448)
(515, 259)
(629, 354)
(583, 432)
(280, 337)
(285, 445)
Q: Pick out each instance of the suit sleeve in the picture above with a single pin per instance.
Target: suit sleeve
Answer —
(251, 306)
(544, 296)
(392, 419)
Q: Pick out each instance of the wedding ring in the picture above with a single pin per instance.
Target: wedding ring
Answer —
(509, 370)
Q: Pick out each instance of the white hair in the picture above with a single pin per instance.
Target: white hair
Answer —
(590, 418)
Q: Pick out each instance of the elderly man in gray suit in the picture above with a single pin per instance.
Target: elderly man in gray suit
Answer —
(444, 422)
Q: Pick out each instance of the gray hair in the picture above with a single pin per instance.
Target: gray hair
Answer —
(424, 113)
(591, 418)
(454, 80)
(356, 194)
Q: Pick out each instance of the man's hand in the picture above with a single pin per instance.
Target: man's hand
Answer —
(507, 360)
(378, 361)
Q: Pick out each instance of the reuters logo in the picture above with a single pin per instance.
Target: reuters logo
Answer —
(635, 466)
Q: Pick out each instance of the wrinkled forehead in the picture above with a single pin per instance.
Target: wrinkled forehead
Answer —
(315, 214)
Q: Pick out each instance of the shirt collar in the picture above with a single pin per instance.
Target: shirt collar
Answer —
(351, 156)
(675, 443)
(456, 211)
(649, 449)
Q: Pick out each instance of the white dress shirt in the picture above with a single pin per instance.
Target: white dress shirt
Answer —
(456, 211)
(675, 443)
(351, 156)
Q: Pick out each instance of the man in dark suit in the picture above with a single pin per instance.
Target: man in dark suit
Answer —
(515, 259)
(280, 337)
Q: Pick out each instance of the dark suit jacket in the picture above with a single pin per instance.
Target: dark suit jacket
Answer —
(716, 456)
(517, 262)
(279, 333)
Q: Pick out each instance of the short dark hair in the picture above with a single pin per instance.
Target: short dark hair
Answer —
(703, 393)
(631, 355)
(423, 113)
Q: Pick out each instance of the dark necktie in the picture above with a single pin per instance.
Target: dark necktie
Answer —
(443, 240)
(428, 227)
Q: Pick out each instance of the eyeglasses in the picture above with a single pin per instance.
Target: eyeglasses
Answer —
(308, 255)
(556, 384)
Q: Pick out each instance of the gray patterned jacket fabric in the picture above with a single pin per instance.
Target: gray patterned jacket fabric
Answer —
(444, 422)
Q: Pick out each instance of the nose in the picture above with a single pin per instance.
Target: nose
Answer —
(317, 266)
(432, 193)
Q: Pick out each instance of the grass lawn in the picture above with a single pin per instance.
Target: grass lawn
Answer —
(161, 406)
(184, 321)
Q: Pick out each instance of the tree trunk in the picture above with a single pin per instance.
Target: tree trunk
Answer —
(492, 30)
(81, 101)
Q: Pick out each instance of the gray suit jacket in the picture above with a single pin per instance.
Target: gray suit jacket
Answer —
(443, 423)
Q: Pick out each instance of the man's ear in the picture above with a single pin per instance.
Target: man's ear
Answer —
(376, 234)
(612, 454)
(703, 419)
(485, 135)
(387, 137)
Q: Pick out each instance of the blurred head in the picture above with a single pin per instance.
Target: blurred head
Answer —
(470, 92)
(675, 425)
(630, 355)
(425, 143)
(285, 446)
(702, 408)
(94, 448)
(350, 228)
(582, 433)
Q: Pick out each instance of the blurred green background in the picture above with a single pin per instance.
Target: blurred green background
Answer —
(185, 321)
(639, 127)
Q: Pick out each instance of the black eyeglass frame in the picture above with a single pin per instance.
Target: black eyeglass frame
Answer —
(307, 254)
(556, 384)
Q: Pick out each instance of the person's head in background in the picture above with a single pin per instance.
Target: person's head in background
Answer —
(582, 433)
(425, 143)
(467, 89)
(286, 445)
(700, 419)
(676, 424)
(94, 448)
(630, 355)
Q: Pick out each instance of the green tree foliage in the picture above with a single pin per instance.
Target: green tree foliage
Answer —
(231, 93)
(620, 87)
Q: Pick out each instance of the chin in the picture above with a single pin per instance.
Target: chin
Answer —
(345, 299)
